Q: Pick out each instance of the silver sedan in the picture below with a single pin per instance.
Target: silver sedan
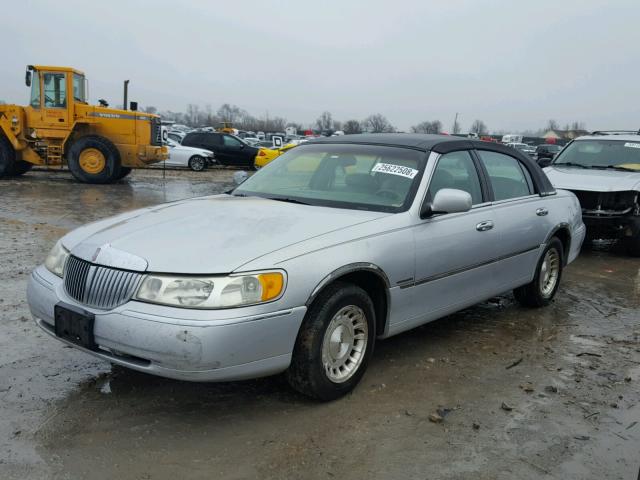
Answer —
(336, 244)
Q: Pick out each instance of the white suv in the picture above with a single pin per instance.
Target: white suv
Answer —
(603, 170)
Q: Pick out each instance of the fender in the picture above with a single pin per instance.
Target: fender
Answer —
(560, 226)
(5, 127)
(353, 268)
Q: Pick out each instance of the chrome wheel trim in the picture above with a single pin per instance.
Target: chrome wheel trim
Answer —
(197, 164)
(549, 272)
(345, 343)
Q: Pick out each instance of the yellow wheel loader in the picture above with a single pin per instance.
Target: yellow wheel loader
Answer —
(59, 128)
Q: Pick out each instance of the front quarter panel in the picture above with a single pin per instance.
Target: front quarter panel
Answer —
(386, 245)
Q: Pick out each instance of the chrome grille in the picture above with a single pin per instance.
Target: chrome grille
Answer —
(156, 131)
(98, 286)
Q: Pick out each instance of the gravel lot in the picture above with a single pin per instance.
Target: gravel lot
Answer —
(551, 393)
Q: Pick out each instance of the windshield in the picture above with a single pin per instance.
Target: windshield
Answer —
(601, 154)
(345, 176)
(78, 88)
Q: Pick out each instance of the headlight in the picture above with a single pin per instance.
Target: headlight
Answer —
(56, 259)
(212, 292)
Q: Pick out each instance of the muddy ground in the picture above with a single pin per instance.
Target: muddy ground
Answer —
(573, 387)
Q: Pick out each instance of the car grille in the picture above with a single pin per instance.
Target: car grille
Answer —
(156, 132)
(607, 202)
(97, 286)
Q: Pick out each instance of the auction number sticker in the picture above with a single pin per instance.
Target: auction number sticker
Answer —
(406, 172)
(632, 145)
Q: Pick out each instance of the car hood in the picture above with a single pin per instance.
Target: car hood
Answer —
(573, 178)
(206, 235)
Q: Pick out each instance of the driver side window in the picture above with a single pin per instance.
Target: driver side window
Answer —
(230, 141)
(456, 170)
(55, 90)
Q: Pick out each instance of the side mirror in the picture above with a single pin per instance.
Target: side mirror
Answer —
(447, 200)
(133, 106)
(240, 176)
(27, 78)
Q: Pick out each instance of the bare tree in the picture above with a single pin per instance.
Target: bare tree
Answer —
(428, 127)
(577, 126)
(149, 109)
(351, 126)
(229, 113)
(552, 125)
(456, 128)
(378, 123)
(325, 121)
(479, 127)
(193, 113)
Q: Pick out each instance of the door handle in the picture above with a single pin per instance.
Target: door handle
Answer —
(541, 212)
(484, 226)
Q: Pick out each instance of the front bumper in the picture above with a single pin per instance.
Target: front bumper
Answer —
(611, 226)
(166, 341)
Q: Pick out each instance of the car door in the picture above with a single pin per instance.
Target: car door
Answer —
(454, 252)
(237, 153)
(523, 221)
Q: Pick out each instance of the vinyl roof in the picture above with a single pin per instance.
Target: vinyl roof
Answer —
(414, 140)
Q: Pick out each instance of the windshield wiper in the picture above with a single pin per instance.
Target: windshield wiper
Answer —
(569, 164)
(288, 200)
(614, 167)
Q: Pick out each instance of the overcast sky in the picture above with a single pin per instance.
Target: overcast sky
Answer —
(512, 64)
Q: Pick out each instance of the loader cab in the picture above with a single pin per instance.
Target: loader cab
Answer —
(54, 92)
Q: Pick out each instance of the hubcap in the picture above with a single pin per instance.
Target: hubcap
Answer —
(549, 272)
(345, 343)
(197, 163)
(92, 161)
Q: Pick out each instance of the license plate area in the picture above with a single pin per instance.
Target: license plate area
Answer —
(75, 325)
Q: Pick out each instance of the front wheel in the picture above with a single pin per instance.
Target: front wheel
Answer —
(632, 244)
(197, 163)
(334, 344)
(94, 159)
(546, 281)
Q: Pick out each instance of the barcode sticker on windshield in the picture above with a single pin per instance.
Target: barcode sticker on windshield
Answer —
(632, 145)
(395, 170)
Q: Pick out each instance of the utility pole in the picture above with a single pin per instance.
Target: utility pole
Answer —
(455, 124)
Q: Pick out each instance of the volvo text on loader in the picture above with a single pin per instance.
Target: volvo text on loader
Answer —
(59, 127)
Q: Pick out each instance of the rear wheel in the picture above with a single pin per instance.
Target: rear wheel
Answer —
(197, 163)
(94, 159)
(7, 158)
(334, 344)
(20, 167)
(544, 286)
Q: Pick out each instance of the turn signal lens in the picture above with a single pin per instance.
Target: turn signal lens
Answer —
(272, 284)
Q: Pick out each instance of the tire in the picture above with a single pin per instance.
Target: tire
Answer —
(7, 158)
(21, 167)
(339, 302)
(124, 171)
(540, 293)
(197, 163)
(102, 161)
(632, 245)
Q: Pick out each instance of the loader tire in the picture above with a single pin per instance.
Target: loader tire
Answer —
(124, 171)
(21, 167)
(7, 158)
(94, 159)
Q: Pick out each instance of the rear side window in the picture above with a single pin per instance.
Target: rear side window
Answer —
(507, 176)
